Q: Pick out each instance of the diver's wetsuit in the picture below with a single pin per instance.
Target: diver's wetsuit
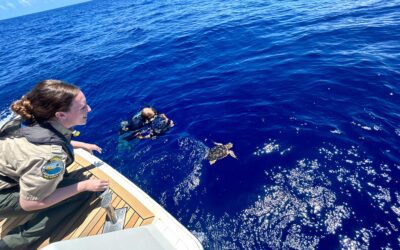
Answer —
(136, 123)
(160, 125)
(132, 127)
(138, 126)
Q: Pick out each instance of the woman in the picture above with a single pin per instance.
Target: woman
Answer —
(35, 149)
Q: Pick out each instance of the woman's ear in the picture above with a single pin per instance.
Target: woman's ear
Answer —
(59, 115)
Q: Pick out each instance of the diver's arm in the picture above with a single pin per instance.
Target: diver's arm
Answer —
(87, 146)
(149, 135)
(169, 121)
(63, 193)
(144, 137)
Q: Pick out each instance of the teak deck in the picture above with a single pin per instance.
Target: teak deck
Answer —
(91, 219)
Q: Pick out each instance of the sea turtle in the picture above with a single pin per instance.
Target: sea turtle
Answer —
(220, 151)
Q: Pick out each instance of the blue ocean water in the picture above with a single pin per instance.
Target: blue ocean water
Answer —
(307, 92)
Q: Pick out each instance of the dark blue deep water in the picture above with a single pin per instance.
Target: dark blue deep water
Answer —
(307, 92)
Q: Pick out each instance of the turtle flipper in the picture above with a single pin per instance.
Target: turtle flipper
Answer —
(212, 162)
(232, 154)
(217, 143)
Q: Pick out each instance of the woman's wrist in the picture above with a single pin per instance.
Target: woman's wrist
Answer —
(81, 186)
(78, 144)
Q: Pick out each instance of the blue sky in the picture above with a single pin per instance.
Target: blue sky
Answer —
(14, 8)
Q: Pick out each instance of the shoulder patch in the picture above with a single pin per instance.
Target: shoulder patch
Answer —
(53, 168)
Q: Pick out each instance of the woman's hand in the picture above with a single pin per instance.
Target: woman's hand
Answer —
(87, 146)
(92, 147)
(94, 185)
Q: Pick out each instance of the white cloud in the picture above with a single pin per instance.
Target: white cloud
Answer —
(25, 3)
(14, 8)
(11, 5)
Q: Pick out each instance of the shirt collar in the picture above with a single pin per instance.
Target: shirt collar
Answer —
(60, 128)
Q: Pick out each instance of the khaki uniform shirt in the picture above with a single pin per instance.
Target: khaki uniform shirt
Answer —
(37, 168)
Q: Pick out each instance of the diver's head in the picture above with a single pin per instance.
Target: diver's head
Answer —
(148, 113)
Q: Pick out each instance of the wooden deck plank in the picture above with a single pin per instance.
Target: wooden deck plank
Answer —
(138, 222)
(96, 228)
(100, 231)
(132, 221)
(128, 197)
(147, 221)
(96, 215)
(7, 224)
(74, 166)
(2, 221)
(129, 215)
(12, 222)
(87, 225)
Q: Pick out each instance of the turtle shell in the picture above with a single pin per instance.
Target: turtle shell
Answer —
(217, 152)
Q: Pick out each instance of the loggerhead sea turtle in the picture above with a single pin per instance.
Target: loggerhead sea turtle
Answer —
(220, 151)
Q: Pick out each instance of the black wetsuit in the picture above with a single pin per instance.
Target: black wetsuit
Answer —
(138, 126)
(129, 128)
(136, 123)
(160, 125)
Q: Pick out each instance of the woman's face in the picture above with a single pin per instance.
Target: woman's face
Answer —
(77, 114)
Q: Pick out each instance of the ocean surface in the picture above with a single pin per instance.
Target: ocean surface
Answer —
(307, 92)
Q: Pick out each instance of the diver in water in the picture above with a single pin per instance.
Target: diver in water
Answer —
(147, 124)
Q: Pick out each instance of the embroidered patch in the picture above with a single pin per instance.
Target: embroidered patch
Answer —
(53, 168)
